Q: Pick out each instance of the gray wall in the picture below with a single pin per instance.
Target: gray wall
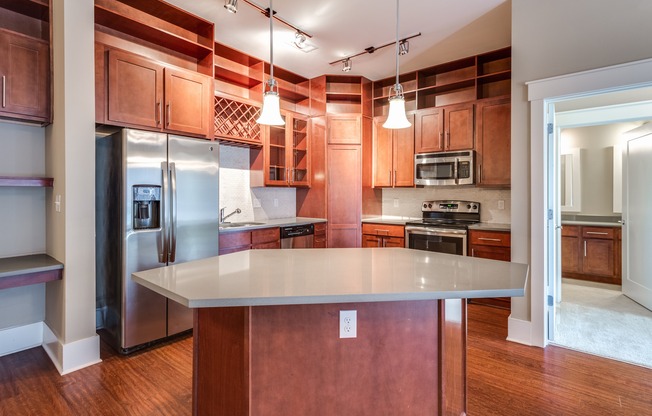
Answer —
(557, 37)
(22, 219)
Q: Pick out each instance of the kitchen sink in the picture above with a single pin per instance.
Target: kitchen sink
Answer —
(240, 224)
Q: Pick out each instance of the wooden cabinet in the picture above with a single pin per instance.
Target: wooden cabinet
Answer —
(441, 129)
(383, 235)
(591, 253)
(264, 238)
(493, 142)
(287, 153)
(25, 77)
(344, 167)
(393, 157)
(145, 93)
(495, 245)
(321, 235)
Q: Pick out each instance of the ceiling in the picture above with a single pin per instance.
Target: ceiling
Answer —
(339, 28)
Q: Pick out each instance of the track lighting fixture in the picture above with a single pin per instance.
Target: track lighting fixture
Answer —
(271, 111)
(403, 47)
(299, 40)
(346, 65)
(231, 6)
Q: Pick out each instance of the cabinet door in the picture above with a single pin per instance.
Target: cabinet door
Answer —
(429, 130)
(299, 151)
(491, 252)
(458, 122)
(344, 195)
(493, 144)
(344, 129)
(598, 257)
(188, 101)
(276, 155)
(135, 90)
(394, 242)
(570, 249)
(403, 160)
(369, 241)
(382, 159)
(25, 77)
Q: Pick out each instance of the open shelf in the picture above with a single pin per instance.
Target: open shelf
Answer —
(29, 270)
(36, 9)
(26, 181)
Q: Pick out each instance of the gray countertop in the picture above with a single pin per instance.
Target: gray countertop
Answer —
(388, 219)
(595, 220)
(279, 222)
(336, 275)
(490, 226)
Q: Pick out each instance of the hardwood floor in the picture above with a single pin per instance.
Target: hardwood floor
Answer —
(504, 379)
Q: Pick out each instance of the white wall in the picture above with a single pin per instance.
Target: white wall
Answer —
(235, 191)
(552, 38)
(22, 219)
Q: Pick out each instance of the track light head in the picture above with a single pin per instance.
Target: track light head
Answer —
(231, 6)
(403, 47)
(299, 40)
(346, 65)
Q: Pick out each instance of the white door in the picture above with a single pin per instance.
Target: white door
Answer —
(637, 223)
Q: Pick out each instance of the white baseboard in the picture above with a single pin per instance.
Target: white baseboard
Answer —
(20, 338)
(519, 331)
(72, 356)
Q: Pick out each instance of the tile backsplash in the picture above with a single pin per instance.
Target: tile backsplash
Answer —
(409, 201)
(257, 204)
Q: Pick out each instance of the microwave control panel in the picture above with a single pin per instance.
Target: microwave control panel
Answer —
(464, 170)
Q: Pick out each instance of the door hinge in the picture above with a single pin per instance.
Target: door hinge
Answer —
(550, 128)
(550, 214)
(550, 300)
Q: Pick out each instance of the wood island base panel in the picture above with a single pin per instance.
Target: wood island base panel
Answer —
(407, 359)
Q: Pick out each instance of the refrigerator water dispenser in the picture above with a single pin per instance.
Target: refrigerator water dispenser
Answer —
(146, 206)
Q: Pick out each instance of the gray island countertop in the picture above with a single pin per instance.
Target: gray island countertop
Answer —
(335, 275)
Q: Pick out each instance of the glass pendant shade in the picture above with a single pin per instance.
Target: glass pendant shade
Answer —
(396, 118)
(271, 112)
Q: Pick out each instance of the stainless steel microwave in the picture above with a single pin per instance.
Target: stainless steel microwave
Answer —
(444, 168)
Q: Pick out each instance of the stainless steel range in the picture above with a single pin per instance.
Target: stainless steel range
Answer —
(444, 226)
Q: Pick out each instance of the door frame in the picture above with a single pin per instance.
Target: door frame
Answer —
(541, 93)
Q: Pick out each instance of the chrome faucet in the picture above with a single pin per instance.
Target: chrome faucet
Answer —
(223, 217)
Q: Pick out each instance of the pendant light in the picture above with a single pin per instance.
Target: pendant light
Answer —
(396, 118)
(271, 111)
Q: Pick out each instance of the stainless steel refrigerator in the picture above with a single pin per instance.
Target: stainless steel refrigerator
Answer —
(156, 205)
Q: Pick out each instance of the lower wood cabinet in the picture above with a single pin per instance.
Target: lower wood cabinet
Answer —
(591, 253)
(383, 235)
(263, 238)
(495, 245)
(321, 235)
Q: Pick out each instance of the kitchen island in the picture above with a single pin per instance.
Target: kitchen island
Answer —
(267, 329)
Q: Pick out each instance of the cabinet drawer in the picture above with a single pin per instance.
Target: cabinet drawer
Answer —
(265, 235)
(570, 231)
(383, 230)
(265, 246)
(237, 239)
(320, 227)
(490, 238)
(598, 232)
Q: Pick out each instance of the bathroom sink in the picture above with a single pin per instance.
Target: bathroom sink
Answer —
(240, 224)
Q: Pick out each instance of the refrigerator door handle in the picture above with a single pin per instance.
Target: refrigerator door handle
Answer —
(164, 247)
(173, 212)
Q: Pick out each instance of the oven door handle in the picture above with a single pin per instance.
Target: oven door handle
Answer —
(434, 231)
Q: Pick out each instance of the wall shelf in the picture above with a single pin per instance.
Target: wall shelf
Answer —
(26, 181)
(36, 9)
(29, 270)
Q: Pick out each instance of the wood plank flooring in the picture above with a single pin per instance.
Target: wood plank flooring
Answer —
(504, 379)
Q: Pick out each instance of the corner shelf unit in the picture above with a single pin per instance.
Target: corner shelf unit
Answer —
(170, 33)
(243, 77)
(487, 75)
(34, 268)
(338, 94)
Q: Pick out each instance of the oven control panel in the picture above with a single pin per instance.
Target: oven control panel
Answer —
(451, 206)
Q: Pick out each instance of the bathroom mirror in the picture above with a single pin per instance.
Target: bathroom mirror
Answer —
(570, 181)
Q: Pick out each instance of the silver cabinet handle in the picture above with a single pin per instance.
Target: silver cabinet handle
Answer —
(480, 173)
(472, 252)
(394, 184)
(159, 114)
(584, 248)
(596, 233)
(378, 231)
(489, 239)
(390, 177)
(441, 136)
(168, 110)
(4, 91)
(173, 212)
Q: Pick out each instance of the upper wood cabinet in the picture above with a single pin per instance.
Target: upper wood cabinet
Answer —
(493, 142)
(441, 129)
(393, 157)
(344, 129)
(147, 94)
(25, 77)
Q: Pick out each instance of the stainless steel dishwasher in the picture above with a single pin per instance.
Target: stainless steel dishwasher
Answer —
(297, 236)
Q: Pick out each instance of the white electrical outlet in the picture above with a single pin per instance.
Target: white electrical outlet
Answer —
(501, 204)
(57, 203)
(348, 324)
(395, 202)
